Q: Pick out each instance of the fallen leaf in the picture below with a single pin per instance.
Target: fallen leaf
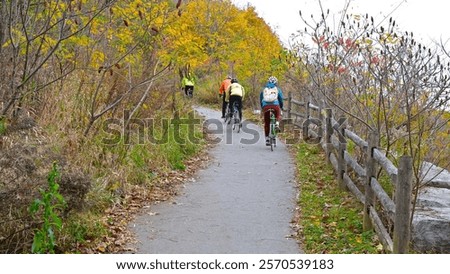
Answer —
(380, 247)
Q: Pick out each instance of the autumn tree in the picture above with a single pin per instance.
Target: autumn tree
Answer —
(31, 35)
(216, 38)
(384, 79)
(123, 47)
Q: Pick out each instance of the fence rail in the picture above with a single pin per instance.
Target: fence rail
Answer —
(389, 218)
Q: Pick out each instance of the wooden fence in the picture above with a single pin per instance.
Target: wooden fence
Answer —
(389, 219)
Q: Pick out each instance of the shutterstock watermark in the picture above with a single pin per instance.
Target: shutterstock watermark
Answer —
(179, 130)
(150, 130)
(192, 129)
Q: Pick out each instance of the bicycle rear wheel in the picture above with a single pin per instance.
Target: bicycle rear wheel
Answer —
(236, 121)
(228, 117)
(273, 135)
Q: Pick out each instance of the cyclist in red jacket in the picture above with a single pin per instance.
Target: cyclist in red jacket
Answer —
(223, 87)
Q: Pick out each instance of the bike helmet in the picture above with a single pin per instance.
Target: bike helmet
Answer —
(273, 80)
(234, 80)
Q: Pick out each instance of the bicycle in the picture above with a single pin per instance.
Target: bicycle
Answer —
(273, 130)
(233, 116)
(227, 115)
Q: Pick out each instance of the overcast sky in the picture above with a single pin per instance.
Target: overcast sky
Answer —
(428, 19)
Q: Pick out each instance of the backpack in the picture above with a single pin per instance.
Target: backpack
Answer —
(270, 94)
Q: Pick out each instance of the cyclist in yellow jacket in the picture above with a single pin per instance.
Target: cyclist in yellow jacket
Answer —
(188, 83)
(235, 94)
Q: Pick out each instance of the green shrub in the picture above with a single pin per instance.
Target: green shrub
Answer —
(50, 206)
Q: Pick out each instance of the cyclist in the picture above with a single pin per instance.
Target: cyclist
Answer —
(187, 83)
(235, 93)
(223, 87)
(271, 97)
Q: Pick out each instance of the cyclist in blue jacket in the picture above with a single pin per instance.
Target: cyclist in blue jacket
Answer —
(271, 97)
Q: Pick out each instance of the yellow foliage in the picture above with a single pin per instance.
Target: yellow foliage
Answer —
(49, 43)
(210, 35)
(217, 32)
(82, 40)
(97, 59)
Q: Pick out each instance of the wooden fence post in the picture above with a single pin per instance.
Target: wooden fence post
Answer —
(371, 169)
(403, 187)
(289, 106)
(342, 165)
(306, 122)
(328, 133)
(308, 109)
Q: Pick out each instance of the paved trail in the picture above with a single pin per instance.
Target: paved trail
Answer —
(242, 203)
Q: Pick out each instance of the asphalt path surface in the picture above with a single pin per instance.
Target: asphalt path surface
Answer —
(242, 203)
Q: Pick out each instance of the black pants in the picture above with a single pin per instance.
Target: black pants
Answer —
(224, 105)
(189, 90)
(238, 100)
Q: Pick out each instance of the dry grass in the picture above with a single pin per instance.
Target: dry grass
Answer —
(103, 184)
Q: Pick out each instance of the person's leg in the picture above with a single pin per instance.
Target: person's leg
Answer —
(266, 120)
(277, 112)
(224, 106)
(277, 116)
(239, 100)
(231, 104)
(267, 124)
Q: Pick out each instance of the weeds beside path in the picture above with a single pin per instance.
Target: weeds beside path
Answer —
(330, 220)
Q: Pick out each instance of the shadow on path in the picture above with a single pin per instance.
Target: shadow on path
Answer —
(242, 203)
